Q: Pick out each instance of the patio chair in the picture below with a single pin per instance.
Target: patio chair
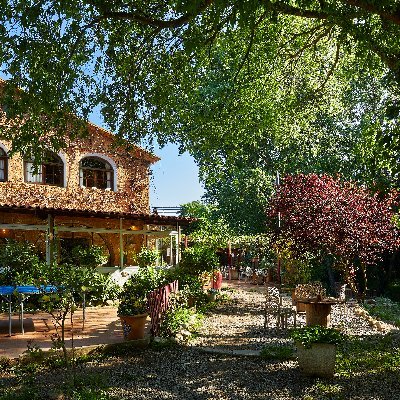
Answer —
(274, 309)
(248, 274)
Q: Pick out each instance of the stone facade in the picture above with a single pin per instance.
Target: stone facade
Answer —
(130, 195)
(131, 175)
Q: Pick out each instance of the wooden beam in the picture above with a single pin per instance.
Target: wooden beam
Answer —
(62, 228)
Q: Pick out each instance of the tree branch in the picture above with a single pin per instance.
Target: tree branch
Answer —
(332, 68)
(250, 45)
(367, 6)
(157, 23)
(295, 11)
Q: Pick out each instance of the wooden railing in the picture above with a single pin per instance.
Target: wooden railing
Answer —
(158, 305)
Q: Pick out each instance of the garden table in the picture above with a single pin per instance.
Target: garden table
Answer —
(318, 312)
(23, 293)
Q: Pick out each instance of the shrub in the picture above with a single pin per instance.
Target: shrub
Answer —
(147, 257)
(199, 258)
(178, 318)
(20, 263)
(309, 335)
(89, 257)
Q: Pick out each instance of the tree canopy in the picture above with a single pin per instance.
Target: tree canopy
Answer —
(324, 214)
(247, 87)
(136, 59)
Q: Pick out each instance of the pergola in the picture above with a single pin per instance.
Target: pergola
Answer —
(157, 226)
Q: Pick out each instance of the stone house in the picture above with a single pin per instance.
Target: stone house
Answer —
(94, 192)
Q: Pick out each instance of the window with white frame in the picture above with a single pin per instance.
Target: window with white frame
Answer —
(96, 172)
(49, 172)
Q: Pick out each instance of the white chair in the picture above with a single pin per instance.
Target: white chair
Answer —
(274, 309)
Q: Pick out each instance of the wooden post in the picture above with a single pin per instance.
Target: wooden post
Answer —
(121, 245)
(171, 251)
(178, 247)
(50, 240)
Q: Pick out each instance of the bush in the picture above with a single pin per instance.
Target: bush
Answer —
(316, 334)
(147, 257)
(98, 287)
(89, 257)
(199, 258)
(178, 318)
(20, 263)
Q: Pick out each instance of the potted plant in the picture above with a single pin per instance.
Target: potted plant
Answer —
(316, 350)
(133, 307)
(212, 294)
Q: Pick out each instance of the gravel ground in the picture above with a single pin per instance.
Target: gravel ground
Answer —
(190, 373)
(239, 324)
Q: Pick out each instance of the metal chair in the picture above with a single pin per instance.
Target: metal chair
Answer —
(274, 309)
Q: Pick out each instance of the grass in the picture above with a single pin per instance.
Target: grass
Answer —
(370, 354)
(275, 352)
(385, 309)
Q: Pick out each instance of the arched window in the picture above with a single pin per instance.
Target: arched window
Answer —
(3, 166)
(95, 172)
(50, 172)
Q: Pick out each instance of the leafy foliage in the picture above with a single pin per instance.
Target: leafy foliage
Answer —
(199, 258)
(147, 257)
(320, 213)
(89, 257)
(133, 297)
(316, 334)
(238, 69)
(178, 318)
(20, 263)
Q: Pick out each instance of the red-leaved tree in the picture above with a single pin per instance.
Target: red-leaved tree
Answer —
(321, 213)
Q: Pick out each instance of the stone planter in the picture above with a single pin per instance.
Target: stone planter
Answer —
(133, 326)
(319, 360)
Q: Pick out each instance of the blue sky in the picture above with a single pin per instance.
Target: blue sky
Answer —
(175, 179)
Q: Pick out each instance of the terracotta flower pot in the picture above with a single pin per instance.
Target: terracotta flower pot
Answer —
(133, 326)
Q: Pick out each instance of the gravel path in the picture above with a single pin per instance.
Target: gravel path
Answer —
(239, 324)
(189, 373)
